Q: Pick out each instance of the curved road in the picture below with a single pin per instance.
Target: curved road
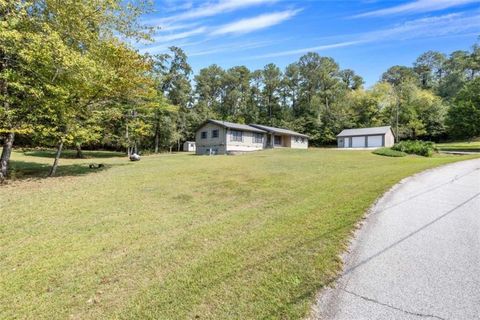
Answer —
(417, 254)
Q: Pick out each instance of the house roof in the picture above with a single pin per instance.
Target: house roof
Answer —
(364, 131)
(254, 128)
(236, 126)
(279, 130)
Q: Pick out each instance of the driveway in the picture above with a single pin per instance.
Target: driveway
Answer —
(418, 253)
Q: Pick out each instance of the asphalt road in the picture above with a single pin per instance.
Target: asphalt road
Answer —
(418, 253)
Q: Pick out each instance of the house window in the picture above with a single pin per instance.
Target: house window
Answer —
(215, 133)
(297, 139)
(204, 135)
(258, 138)
(236, 135)
(303, 140)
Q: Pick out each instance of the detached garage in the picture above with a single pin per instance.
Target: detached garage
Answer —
(366, 138)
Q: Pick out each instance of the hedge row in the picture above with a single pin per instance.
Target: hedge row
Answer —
(421, 148)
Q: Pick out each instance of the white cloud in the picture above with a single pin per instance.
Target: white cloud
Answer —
(310, 49)
(163, 47)
(180, 35)
(449, 24)
(241, 26)
(418, 6)
(216, 8)
(256, 23)
(175, 5)
(233, 47)
(445, 25)
(175, 27)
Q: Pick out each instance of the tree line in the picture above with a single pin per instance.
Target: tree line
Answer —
(435, 98)
(70, 78)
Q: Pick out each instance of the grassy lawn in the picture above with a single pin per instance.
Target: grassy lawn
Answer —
(473, 146)
(37, 163)
(181, 236)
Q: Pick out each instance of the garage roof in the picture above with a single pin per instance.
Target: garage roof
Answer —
(364, 131)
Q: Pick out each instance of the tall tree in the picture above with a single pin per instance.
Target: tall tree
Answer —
(177, 89)
(396, 75)
(430, 68)
(351, 80)
(464, 114)
(209, 91)
(176, 84)
(272, 77)
(235, 106)
(456, 74)
(291, 86)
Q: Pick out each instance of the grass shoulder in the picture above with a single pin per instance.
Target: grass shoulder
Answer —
(469, 146)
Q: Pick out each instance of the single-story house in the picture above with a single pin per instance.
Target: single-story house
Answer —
(375, 137)
(189, 146)
(222, 137)
(278, 137)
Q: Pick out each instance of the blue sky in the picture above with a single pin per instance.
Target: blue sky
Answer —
(367, 36)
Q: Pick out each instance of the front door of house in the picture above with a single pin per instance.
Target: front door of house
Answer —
(278, 140)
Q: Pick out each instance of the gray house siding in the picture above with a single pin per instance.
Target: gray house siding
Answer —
(210, 144)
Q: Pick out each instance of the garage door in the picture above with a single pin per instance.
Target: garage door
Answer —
(358, 142)
(374, 141)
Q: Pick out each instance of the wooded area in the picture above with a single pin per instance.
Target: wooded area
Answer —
(70, 77)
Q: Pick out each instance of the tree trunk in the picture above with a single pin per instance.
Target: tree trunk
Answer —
(157, 131)
(79, 152)
(57, 158)
(5, 158)
(10, 136)
(157, 139)
(129, 149)
(178, 145)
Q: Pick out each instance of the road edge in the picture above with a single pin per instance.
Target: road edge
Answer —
(360, 228)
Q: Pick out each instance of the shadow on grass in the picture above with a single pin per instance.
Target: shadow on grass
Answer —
(20, 170)
(460, 149)
(72, 154)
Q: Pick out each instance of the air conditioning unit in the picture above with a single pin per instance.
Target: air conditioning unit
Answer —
(211, 151)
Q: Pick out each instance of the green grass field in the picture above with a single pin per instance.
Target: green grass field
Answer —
(182, 236)
(388, 152)
(473, 146)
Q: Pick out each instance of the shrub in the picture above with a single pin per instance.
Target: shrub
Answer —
(388, 152)
(422, 148)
